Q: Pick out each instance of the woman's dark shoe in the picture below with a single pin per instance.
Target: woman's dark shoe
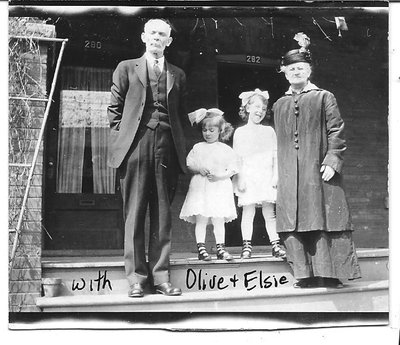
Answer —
(203, 255)
(168, 290)
(246, 250)
(304, 283)
(222, 254)
(333, 283)
(278, 251)
(136, 290)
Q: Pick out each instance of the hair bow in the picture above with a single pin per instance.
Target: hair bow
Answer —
(198, 115)
(245, 96)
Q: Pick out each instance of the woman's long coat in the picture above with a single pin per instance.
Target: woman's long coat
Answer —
(309, 132)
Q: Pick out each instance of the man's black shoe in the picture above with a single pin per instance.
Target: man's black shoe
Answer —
(168, 290)
(136, 290)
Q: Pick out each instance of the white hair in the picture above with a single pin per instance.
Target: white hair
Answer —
(157, 21)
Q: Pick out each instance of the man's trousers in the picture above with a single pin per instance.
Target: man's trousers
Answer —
(148, 178)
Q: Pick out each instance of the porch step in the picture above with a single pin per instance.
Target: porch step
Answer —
(357, 296)
(106, 275)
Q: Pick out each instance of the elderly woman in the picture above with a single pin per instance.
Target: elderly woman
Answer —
(313, 217)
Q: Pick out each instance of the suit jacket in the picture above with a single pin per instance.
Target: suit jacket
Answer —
(128, 96)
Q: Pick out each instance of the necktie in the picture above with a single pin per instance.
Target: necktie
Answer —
(156, 68)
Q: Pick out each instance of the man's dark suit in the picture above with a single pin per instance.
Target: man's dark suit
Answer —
(149, 162)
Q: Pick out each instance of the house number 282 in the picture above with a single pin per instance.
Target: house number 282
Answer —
(92, 44)
(253, 59)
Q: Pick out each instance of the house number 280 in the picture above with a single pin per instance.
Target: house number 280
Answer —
(92, 44)
(253, 59)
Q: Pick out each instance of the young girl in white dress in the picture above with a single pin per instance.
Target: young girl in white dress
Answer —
(256, 183)
(210, 197)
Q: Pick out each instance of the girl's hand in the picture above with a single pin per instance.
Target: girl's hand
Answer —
(204, 171)
(327, 172)
(213, 178)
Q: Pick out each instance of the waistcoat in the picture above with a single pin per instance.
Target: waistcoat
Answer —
(156, 109)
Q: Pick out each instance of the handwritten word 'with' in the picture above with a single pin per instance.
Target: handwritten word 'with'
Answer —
(93, 284)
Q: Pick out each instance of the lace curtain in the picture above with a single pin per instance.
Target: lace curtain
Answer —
(84, 97)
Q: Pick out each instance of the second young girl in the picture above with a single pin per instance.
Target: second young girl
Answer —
(210, 197)
(256, 183)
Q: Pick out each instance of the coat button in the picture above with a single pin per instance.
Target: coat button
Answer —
(295, 101)
(296, 147)
(296, 133)
(296, 107)
(296, 113)
(296, 140)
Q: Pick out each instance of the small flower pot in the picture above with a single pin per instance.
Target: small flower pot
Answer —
(51, 286)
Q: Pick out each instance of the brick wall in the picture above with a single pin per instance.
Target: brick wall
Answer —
(25, 119)
(359, 81)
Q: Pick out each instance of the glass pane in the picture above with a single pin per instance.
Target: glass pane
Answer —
(83, 141)
(71, 146)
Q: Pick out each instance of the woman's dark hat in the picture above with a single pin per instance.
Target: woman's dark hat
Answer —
(298, 55)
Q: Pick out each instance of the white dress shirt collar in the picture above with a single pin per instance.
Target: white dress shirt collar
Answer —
(150, 59)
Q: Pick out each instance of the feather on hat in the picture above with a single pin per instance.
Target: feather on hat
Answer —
(302, 54)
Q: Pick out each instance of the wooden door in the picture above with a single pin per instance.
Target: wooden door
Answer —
(83, 207)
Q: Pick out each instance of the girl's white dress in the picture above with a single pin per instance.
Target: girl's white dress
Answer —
(210, 199)
(256, 146)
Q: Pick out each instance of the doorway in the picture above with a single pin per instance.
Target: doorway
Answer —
(82, 200)
(234, 78)
(83, 207)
